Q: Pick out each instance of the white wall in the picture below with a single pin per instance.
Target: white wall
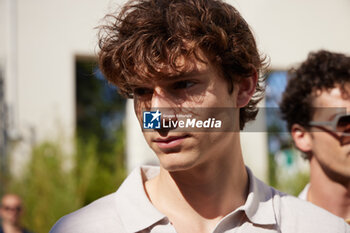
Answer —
(50, 34)
(287, 30)
(2, 33)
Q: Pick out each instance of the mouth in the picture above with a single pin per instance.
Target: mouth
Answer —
(170, 141)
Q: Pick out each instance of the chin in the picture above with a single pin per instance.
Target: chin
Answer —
(173, 162)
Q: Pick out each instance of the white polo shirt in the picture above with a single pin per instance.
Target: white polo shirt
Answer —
(303, 195)
(266, 210)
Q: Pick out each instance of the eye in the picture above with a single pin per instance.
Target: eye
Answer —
(184, 84)
(142, 91)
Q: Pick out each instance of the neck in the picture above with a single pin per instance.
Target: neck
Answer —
(328, 193)
(203, 194)
(222, 186)
(11, 228)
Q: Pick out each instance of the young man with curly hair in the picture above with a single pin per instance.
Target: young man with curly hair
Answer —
(316, 105)
(186, 54)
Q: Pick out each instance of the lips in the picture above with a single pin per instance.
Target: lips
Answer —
(170, 142)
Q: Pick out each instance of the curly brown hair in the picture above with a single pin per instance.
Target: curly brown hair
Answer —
(145, 35)
(322, 70)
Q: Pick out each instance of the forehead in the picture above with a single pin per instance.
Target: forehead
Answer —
(328, 103)
(11, 200)
(185, 67)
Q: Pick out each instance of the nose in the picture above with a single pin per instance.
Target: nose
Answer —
(163, 101)
(160, 98)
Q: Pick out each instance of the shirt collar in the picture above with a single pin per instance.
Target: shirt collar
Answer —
(303, 194)
(135, 209)
(259, 206)
(137, 212)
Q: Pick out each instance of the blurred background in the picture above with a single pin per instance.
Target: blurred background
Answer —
(68, 138)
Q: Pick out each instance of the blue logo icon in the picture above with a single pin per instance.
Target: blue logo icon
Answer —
(151, 120)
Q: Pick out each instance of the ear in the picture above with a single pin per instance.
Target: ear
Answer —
(246, 89)
(302, 138)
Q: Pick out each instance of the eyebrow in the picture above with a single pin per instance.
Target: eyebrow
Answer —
(189, 74)
(175, 77)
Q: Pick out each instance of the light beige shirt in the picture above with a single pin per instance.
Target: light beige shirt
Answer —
(266, 210)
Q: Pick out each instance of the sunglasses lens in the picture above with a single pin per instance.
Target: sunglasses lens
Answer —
(343, 124)
(15, 209)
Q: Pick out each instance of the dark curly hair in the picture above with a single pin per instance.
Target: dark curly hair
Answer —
(145, 35)
(322, 70)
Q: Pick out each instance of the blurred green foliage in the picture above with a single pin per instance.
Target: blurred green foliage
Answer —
(54, 183)
(292, 184)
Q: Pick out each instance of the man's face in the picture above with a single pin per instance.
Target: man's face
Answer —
(327, 148)
(11, 209)
(202, 87)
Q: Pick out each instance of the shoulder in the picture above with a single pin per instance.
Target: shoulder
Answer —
(112, 213)
(296, 215)
(99, 216)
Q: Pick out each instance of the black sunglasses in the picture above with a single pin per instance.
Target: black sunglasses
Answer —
(14, 209)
